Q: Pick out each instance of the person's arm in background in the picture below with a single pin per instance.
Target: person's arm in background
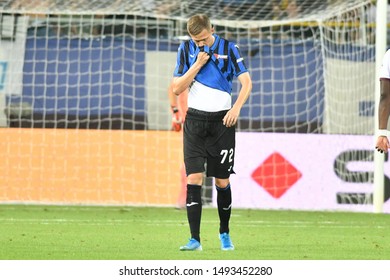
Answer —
(382, 143)
(179, 109)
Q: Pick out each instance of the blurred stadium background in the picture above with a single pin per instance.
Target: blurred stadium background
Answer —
(85, 118)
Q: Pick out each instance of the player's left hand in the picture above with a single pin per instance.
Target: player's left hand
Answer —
(382, 144)
(231, 117)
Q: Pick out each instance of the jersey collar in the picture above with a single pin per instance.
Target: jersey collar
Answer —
(216, 42)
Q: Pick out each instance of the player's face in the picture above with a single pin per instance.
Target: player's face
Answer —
(204, 38)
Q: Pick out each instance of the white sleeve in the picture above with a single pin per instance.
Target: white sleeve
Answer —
(385, 67)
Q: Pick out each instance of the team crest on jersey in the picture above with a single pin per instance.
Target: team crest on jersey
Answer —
(220, 56)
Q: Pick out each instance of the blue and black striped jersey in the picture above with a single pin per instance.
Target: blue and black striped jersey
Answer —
(225, 63)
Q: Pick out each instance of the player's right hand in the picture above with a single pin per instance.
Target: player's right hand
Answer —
(177, 122)
(202, 58)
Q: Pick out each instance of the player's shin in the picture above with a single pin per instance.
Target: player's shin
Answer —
(224, 202)
(194, 209)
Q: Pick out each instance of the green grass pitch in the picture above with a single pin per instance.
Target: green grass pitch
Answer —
(147, 233)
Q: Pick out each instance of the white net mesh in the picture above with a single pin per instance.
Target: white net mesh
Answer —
(105, 66)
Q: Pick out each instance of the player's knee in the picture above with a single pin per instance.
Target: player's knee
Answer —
(222, 183)
(195, 179)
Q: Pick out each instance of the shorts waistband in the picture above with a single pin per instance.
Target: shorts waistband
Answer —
(203, 115)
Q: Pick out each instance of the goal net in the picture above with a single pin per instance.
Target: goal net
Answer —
(83, 88)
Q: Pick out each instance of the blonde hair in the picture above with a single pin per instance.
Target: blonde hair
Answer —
(197, 23)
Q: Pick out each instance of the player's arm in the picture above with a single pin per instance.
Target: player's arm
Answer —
(232, 115)
(180, 84)
(382, 144)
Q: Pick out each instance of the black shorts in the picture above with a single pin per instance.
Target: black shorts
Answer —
(208, 142)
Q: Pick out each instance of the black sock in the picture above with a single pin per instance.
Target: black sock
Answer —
(224, 202)
(194, 209)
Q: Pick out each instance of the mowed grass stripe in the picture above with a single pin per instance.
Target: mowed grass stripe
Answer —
(65, 232)
(258, 223)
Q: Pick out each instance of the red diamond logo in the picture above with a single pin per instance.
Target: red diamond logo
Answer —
(276, 175)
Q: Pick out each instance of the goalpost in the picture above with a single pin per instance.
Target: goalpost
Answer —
(381, 43)
(88, 118)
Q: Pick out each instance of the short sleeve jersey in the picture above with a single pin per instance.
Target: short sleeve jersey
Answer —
(385, 68)
(225, 63)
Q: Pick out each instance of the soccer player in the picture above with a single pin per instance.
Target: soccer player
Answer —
(382, 143)
(179, 109)
(208, 63)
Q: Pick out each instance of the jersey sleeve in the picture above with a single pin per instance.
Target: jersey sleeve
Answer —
(181, 61)
(237, 60)
(385, 68)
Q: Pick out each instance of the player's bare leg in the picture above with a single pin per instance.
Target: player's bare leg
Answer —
(181, 200)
